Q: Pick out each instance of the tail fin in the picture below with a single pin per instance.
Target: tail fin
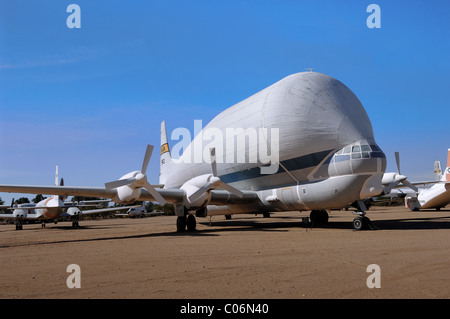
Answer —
(56, 176)
(60, 197)
(437, 170)
(446, 175)
(166, 158)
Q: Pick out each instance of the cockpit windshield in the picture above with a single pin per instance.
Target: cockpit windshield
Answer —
(358, 151)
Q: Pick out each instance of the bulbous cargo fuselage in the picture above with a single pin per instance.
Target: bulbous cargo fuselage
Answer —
(303, 123)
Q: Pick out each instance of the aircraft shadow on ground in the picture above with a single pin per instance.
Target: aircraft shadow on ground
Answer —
(414, 223)
(418, 223)
(442, 222)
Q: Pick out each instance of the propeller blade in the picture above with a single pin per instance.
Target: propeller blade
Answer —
(388, 188)
(408, 184)
(397, 159)
(199, 192)
(231, 189)
(154, 193)
(213, 161)
(148, 155)
(120, 182)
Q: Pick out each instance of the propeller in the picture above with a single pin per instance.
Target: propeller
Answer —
(403, 181)
(214, 182)
(139, 180)
(399, 178)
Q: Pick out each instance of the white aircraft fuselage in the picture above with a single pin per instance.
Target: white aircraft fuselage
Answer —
(328, 157)
(437, 196)
(303, 143)
(46, 209)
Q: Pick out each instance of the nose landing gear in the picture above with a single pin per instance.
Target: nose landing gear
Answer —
(362, 222)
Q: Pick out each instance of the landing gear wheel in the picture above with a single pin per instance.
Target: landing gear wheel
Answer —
(359, 223)
(181, 223)
(75, 224)
(191, 223)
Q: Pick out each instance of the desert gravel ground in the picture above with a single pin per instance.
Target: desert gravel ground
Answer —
(245, 257)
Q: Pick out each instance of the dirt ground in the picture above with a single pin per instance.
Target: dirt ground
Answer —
(245, 257)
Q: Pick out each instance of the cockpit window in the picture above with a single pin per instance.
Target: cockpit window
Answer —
(365, 148)
(355, 149)
(347, 149)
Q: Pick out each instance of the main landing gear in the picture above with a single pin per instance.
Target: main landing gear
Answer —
(19, 225)
(75, 220)
(186, 222)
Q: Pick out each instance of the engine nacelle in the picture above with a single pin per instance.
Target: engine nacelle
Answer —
(194, 184)
(127, 195)
(388, 178)
(20, 213)
(73, 211)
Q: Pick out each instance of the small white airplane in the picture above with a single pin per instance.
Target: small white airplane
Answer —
(323, 156)
(437, 196)
(140, 211)
(51, 209)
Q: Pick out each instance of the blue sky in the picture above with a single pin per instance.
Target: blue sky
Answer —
(90, 99)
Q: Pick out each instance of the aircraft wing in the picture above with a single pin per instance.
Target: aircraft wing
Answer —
(422, 183)
(11, 216)
(59, 190)
(173, 195)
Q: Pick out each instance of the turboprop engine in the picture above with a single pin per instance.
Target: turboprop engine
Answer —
(129, 186)
(197, 188)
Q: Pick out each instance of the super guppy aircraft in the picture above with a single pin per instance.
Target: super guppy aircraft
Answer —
(323, 156)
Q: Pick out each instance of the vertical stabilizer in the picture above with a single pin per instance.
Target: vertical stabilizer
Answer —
(56, 176)
(166, 158)
(437, 170)
(446, 175)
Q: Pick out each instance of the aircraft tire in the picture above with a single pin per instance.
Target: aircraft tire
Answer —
(191, 223)
(181, 223)
(359, 223)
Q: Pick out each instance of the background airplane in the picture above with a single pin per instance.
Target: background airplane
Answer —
(140, 211)
(437, 196)
(327, 159)
(52, 208)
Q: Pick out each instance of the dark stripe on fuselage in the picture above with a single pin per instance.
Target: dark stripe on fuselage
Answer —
(306, 161)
